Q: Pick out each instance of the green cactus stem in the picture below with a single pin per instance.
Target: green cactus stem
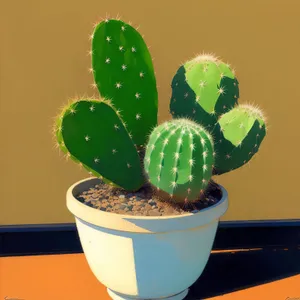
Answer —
(203, 89)
(91, 133)
(237, 137)
(179, 159)
(123, 72)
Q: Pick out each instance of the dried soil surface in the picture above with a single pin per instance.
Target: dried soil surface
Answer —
(144, 202)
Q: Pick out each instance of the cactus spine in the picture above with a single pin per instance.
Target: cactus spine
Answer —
(179, 159)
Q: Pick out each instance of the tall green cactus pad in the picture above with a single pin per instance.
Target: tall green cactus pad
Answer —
(203, 89)
(91, 133)
(179, 159)
(237, 137)
(123, 72)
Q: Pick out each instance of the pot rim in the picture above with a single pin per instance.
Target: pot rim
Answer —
(116, 221)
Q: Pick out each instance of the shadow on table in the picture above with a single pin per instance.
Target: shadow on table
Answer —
(231, 271)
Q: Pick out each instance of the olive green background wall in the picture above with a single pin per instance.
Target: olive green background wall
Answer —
(43, 50)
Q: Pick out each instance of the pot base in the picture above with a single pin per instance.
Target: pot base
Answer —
(117, 296)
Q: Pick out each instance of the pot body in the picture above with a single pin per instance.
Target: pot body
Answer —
(139, 257)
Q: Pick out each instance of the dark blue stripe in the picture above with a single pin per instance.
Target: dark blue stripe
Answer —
(40, 239)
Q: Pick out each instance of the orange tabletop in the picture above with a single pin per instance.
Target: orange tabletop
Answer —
(68, 277)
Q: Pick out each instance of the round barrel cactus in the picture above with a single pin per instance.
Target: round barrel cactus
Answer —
(179, 159)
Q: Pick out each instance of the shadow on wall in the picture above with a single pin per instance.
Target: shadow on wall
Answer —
(232, 271)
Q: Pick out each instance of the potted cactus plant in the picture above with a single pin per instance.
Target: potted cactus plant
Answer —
(148, 215)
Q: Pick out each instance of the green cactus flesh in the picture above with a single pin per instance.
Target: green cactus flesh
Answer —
(123, 72)
(91, 133)
(179, 159)
(237, 137)
(203, 89)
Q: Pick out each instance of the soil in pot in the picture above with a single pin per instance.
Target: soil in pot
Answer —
(144, 202)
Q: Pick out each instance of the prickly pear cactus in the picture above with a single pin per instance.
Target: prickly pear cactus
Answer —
(123, 72)
(179, 159)
(237, 137)
(91, 133)
(203, 89)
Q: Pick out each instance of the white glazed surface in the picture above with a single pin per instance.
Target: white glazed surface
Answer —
(145, 257)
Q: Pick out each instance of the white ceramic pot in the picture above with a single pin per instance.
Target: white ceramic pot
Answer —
(140, 257)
